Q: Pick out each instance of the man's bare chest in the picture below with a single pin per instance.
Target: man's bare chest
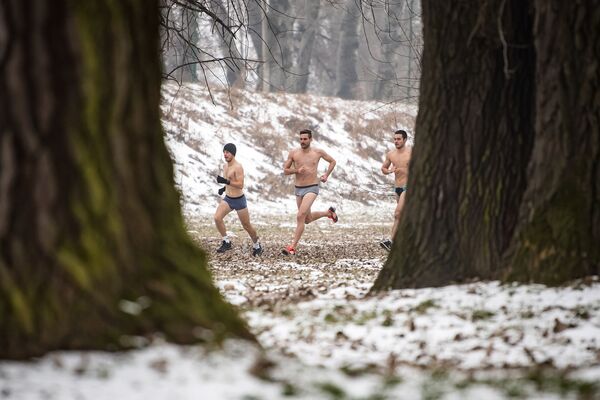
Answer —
(307, 160)
(400, 160)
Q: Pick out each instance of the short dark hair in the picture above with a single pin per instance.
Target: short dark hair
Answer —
(306, 132)
(401, 132)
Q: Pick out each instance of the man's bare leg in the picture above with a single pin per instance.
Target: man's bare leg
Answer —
(244, 217)
(398, 214)
(222, 210)
(304, 204)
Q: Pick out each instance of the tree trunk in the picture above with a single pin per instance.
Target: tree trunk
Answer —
(256, 17)
(346, 74)
(559, 234)
(189, 43)
(473, 139)
(277, 54)
(93, 248)
(505, 178)
(310, 26)
(235, 65)
(390, 38)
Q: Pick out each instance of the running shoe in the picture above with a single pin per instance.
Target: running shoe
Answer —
(386, 244)
(289, 251)
(224, 247)
(332, 215)
(257, 251)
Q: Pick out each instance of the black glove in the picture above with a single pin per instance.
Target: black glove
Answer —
(220, 179)
(221, 191)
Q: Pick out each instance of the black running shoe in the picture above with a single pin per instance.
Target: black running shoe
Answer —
(386, 244)
(224, 247)
(257, 251)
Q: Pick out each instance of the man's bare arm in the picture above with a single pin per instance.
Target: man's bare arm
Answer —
(385, 168)
(331, 162)
(287, 166)
(237, 180)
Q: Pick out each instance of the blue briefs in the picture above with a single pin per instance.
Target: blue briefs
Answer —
(236, 203)
(399, 190)
(302, 190)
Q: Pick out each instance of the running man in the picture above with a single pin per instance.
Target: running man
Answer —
(234, 200)
(396, 161)
(303, 163)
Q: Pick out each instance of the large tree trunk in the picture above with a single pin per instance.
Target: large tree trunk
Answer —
(92, 244)
(472, 142)
(559, 234)
(506, 162)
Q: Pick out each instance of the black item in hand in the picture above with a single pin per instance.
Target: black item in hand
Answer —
(221, 191)
(220, 179)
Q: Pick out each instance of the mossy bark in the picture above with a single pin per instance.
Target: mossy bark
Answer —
(92, 243)
(559, 233)
(505, 177)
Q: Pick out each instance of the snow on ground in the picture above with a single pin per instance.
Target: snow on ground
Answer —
(322, 335)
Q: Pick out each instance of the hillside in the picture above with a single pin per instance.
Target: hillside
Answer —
(264, 126)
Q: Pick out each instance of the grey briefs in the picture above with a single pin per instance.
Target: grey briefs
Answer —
(236, 203)
(302, 190)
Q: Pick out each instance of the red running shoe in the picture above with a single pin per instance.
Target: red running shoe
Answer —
(289, 251)
(332, 215)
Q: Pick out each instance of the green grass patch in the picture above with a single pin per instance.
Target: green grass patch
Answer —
(422, 307)
(479, 315)
(333, 390)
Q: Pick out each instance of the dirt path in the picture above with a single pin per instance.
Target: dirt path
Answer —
(330, 256)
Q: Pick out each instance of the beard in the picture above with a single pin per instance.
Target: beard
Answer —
(304, 145)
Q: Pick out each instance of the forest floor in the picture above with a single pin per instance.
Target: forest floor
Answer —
(323, 337)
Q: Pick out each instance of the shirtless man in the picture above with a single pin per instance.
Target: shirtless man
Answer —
(303, 163)
(234, 200)
(396, 161)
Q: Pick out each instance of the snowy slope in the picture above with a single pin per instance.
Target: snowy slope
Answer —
(264, 127)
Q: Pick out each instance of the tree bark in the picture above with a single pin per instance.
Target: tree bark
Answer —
(473, 140)
(505, 176)
(559, 234)
(93, 248)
